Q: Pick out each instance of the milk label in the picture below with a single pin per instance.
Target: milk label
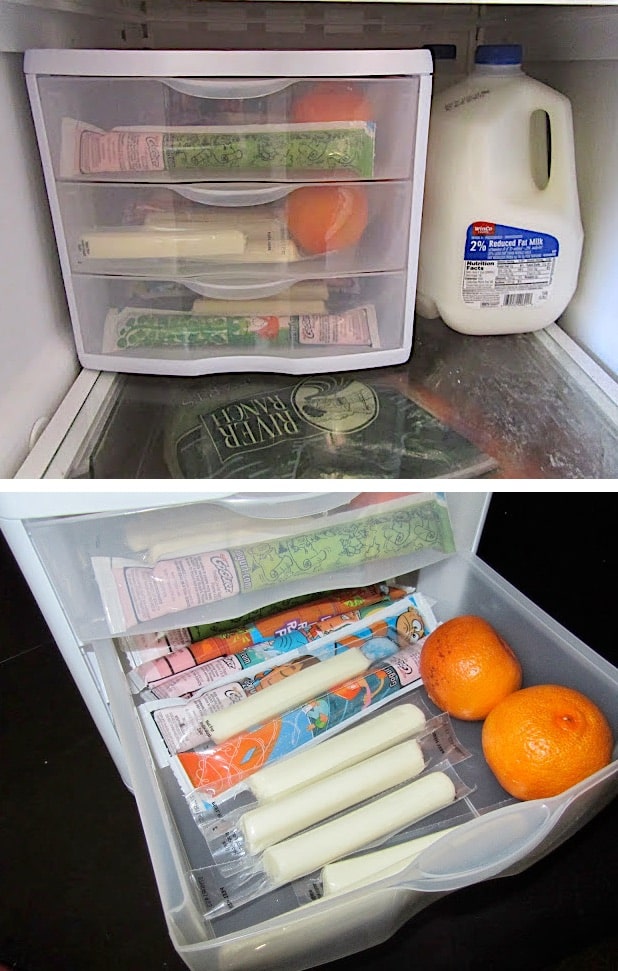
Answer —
(507, 267)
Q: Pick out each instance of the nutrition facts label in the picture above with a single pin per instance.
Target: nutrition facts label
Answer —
(505, 266)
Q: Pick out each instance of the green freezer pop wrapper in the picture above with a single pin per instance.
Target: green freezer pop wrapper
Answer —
(135, 593)
(136, 327)
(319, 147)
(140, 327)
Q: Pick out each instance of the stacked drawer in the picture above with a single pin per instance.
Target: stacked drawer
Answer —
(235, 211)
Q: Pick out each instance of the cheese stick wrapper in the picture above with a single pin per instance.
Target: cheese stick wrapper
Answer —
(307, 623)
(149, 327)
(240, 830)
(241, 834)
(176, 726)
(358, 871)
(266, 825)
(134, 593)
(170, 244)
(369, 737)
(250, 220)
(310, 850)
(272, 306)
(285, 695)
(319, 147)
(368, 824)
(229, 764)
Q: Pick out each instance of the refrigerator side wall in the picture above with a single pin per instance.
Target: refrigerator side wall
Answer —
(37, 357)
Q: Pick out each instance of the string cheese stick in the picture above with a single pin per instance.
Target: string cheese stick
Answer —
(285, 695)
(308, 851)
(275, 821)
(149, 244)
(263, 305)
(240, 218)
(308, 289)
(359, 870)
(338, 752)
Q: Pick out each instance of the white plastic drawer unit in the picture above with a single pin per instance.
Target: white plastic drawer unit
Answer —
(66, 546)
(248, 170)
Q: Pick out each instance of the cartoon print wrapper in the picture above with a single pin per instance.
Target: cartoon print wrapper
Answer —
(228, 764)
(320, 147)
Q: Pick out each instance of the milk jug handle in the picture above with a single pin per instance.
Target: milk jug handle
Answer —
(562, 178)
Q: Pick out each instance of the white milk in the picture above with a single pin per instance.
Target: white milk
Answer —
(501, 241)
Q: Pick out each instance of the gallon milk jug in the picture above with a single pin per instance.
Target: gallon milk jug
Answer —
(501, 235)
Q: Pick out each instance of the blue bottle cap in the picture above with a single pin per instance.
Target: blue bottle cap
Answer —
(498, 54)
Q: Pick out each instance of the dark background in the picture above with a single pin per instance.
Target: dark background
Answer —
(78, 893)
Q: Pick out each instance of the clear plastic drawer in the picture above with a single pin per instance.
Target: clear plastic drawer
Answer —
(167, 129)
(229, 231)
(207, 561)
(193, 326)
(493, 835)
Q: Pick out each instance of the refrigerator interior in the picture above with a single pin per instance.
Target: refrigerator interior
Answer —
(273, 930)
(571, 47)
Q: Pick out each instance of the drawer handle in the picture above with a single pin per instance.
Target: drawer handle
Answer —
(250, 291)
(504, 837)
(228, 195)
(228, 88)
(285, 506)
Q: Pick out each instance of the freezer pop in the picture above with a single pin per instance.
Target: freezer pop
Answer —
(149, 327)
(321, 147)
(308, 851)
(132, 592)
(250, 220)
(319, 617)
(235, 760)
(273, 822)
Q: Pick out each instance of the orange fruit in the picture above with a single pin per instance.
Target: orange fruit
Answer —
(332, 101)
(467, 668)
(543, 739)
(327, 217)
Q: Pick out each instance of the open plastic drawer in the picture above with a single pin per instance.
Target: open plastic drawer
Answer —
(273, 931)
(221, 115)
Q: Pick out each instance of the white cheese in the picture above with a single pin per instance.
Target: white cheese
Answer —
(277, 820)
(347, 748)
(302, 854)
(360, 870)
(143, 244)
(300, 687)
